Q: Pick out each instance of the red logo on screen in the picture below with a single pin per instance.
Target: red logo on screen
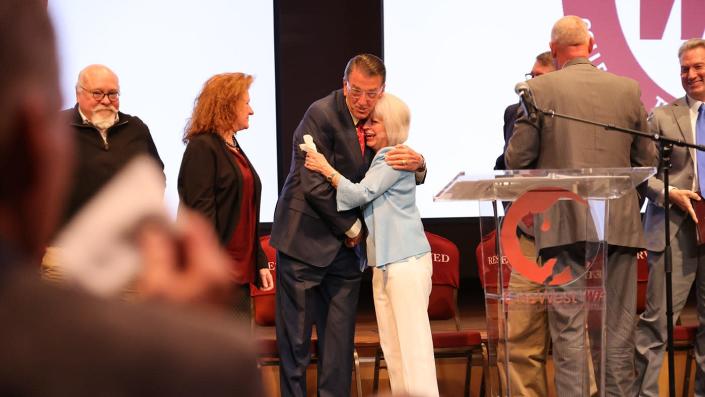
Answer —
(613, 52)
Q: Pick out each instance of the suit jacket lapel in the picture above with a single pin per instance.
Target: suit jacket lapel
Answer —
(681, 114)
(350, 138)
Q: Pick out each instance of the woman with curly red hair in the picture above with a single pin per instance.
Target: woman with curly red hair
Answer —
(217, 179)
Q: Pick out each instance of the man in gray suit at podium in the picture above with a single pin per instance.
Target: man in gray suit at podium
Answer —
(580, 89)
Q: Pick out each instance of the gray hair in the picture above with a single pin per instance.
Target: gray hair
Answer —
(569, 31)
(690, 45)
(395, 116)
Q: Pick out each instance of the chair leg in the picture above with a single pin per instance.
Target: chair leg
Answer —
(375, 379)
(689, 357)
(358, 377)
(468, 372)
(485, 370)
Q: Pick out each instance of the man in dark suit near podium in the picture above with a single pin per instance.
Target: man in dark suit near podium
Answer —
(579, 89)
(542, 65)
(319, 259)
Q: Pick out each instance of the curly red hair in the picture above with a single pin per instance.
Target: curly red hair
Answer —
(214, 109)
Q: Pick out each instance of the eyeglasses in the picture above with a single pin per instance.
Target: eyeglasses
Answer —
(98, 95)
(356, 93)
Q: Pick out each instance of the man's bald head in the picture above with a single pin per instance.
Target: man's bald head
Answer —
(570, 38)
(95, 86)
(94, 72)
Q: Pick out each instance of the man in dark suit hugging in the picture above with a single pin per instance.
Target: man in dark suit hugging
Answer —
(319, 259)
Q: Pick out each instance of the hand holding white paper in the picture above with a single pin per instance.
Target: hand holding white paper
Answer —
(308, 144)
(97, 249)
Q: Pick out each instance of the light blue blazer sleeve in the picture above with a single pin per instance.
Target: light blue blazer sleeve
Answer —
(378, 179)
(388, 198)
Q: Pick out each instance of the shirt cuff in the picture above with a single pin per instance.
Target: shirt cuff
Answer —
(354, 230)
(422, 168)
(662, 199)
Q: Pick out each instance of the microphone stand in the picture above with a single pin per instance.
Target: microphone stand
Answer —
(665, 149)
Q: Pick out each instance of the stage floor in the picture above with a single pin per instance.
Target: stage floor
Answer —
(450, 372)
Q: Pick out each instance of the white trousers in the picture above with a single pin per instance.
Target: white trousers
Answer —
(401, 294)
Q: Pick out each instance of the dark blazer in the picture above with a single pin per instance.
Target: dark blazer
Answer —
(211, 183)
(510, 116)
(96, 162)
(307, 225)
(580, 89)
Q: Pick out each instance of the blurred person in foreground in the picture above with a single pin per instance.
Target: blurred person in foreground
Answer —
(397, 249)
(61, 342)
(218, 180)
(579, 89)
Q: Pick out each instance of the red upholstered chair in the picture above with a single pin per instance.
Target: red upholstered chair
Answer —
(262, 305)
(683, 335)
(642, 279)
(488, 263)
(443, 305)
(488, 272)
(262, 309)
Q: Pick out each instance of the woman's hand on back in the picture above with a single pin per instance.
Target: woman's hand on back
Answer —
(317, 162)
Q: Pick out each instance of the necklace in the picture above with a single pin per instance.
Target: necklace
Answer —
(233, 144)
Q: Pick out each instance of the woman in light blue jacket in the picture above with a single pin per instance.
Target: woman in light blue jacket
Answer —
(396, 248)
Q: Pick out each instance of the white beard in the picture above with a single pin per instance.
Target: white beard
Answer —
(104, 120)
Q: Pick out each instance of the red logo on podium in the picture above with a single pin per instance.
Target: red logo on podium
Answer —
(532, 203)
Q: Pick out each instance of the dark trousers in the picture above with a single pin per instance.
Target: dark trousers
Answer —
(325, 296)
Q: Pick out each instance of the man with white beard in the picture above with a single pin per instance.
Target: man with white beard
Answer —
(105, 138)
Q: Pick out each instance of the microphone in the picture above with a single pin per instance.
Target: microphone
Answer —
(527, 99)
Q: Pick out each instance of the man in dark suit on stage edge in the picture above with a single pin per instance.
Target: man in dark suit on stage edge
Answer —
(319, 261)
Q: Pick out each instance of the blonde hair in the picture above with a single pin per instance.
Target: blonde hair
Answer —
(395, 116)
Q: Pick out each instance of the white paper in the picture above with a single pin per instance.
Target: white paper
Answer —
(97, 250)
(308, 145)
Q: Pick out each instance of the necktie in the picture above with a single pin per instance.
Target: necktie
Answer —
(361, 136)
(700, 140)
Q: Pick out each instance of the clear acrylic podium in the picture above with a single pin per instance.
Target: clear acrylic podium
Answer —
(539, 277)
